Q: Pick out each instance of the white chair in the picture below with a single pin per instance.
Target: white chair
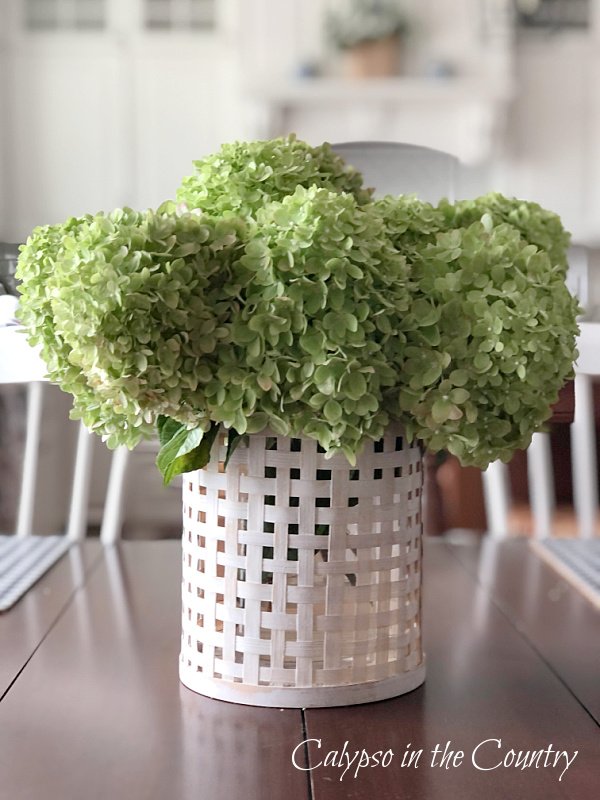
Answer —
(583, 441)
(395, 168)
(21, 364)
(391, 168)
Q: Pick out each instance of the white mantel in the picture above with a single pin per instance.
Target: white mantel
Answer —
(462, 116)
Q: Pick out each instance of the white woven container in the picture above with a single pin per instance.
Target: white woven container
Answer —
(302, 575)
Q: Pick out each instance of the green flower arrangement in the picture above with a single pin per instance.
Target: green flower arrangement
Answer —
(276, 293)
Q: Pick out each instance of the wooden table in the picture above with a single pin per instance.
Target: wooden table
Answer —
(92, 708)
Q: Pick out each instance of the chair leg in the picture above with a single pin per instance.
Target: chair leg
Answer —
(583, 450)
(497, 498)
(78, 513)
(112, 518)
(541, 484)
(35, 396)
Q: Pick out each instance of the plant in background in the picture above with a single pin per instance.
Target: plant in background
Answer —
(277, 294)
(365, 21)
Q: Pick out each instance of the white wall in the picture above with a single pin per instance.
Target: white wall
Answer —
(554, 131)
(96, 120)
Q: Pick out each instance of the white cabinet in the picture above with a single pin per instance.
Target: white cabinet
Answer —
(177, 110)
(554, 133)
(108, 115)
(65, 132)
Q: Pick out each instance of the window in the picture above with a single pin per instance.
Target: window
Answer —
(178, 14)
(44, 15)
(553, 13)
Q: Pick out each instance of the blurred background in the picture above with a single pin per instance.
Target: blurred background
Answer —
(106, 103)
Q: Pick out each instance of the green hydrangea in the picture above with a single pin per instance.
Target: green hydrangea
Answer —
(39, 291)
(322, 288)
(490, 334)
(278, 294)
(180, 315)
(243, 176)
(536, 225)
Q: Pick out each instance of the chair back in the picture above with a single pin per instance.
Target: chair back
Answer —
(584, 465)
(21, 364)
(398, 168)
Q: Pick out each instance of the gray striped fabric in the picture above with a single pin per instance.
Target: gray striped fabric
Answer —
(581, 556)
(24, 561)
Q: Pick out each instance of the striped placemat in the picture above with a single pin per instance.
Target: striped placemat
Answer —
(24, 561)
(576, 560)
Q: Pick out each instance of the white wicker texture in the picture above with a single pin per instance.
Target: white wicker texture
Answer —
(302, 575)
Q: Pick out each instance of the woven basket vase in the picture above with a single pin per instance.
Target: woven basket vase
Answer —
(302, 575)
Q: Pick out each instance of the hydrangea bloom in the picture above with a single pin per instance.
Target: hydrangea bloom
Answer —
(241, 177)
(279, 294)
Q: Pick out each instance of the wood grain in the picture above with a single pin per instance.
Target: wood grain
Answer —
(23, 626)
(557, 619)
(99, 711)
(484, 681)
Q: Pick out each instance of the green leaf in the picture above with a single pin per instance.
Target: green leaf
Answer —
(459, 377)
(312, 342)
(459, 395)
(279, 426)
(187, 450)
(441, 411)
(233, 440)
(265, 382)
(425, 312)
(356, 385)
(333, 411)
(482, 362)
(431, 374)
(167, 428)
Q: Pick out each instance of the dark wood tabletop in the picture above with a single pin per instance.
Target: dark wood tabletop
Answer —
(91, 706)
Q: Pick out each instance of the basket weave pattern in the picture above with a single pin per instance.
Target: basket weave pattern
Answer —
(301, 571)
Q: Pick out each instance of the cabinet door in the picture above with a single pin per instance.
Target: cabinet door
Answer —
(105, 104)
(180, 104)
(63, 133)
(552, 140)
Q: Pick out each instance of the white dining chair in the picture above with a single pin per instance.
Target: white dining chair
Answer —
(397, 168)
(542, 497)
(390, 168)
(21, 364)
(25, 557)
